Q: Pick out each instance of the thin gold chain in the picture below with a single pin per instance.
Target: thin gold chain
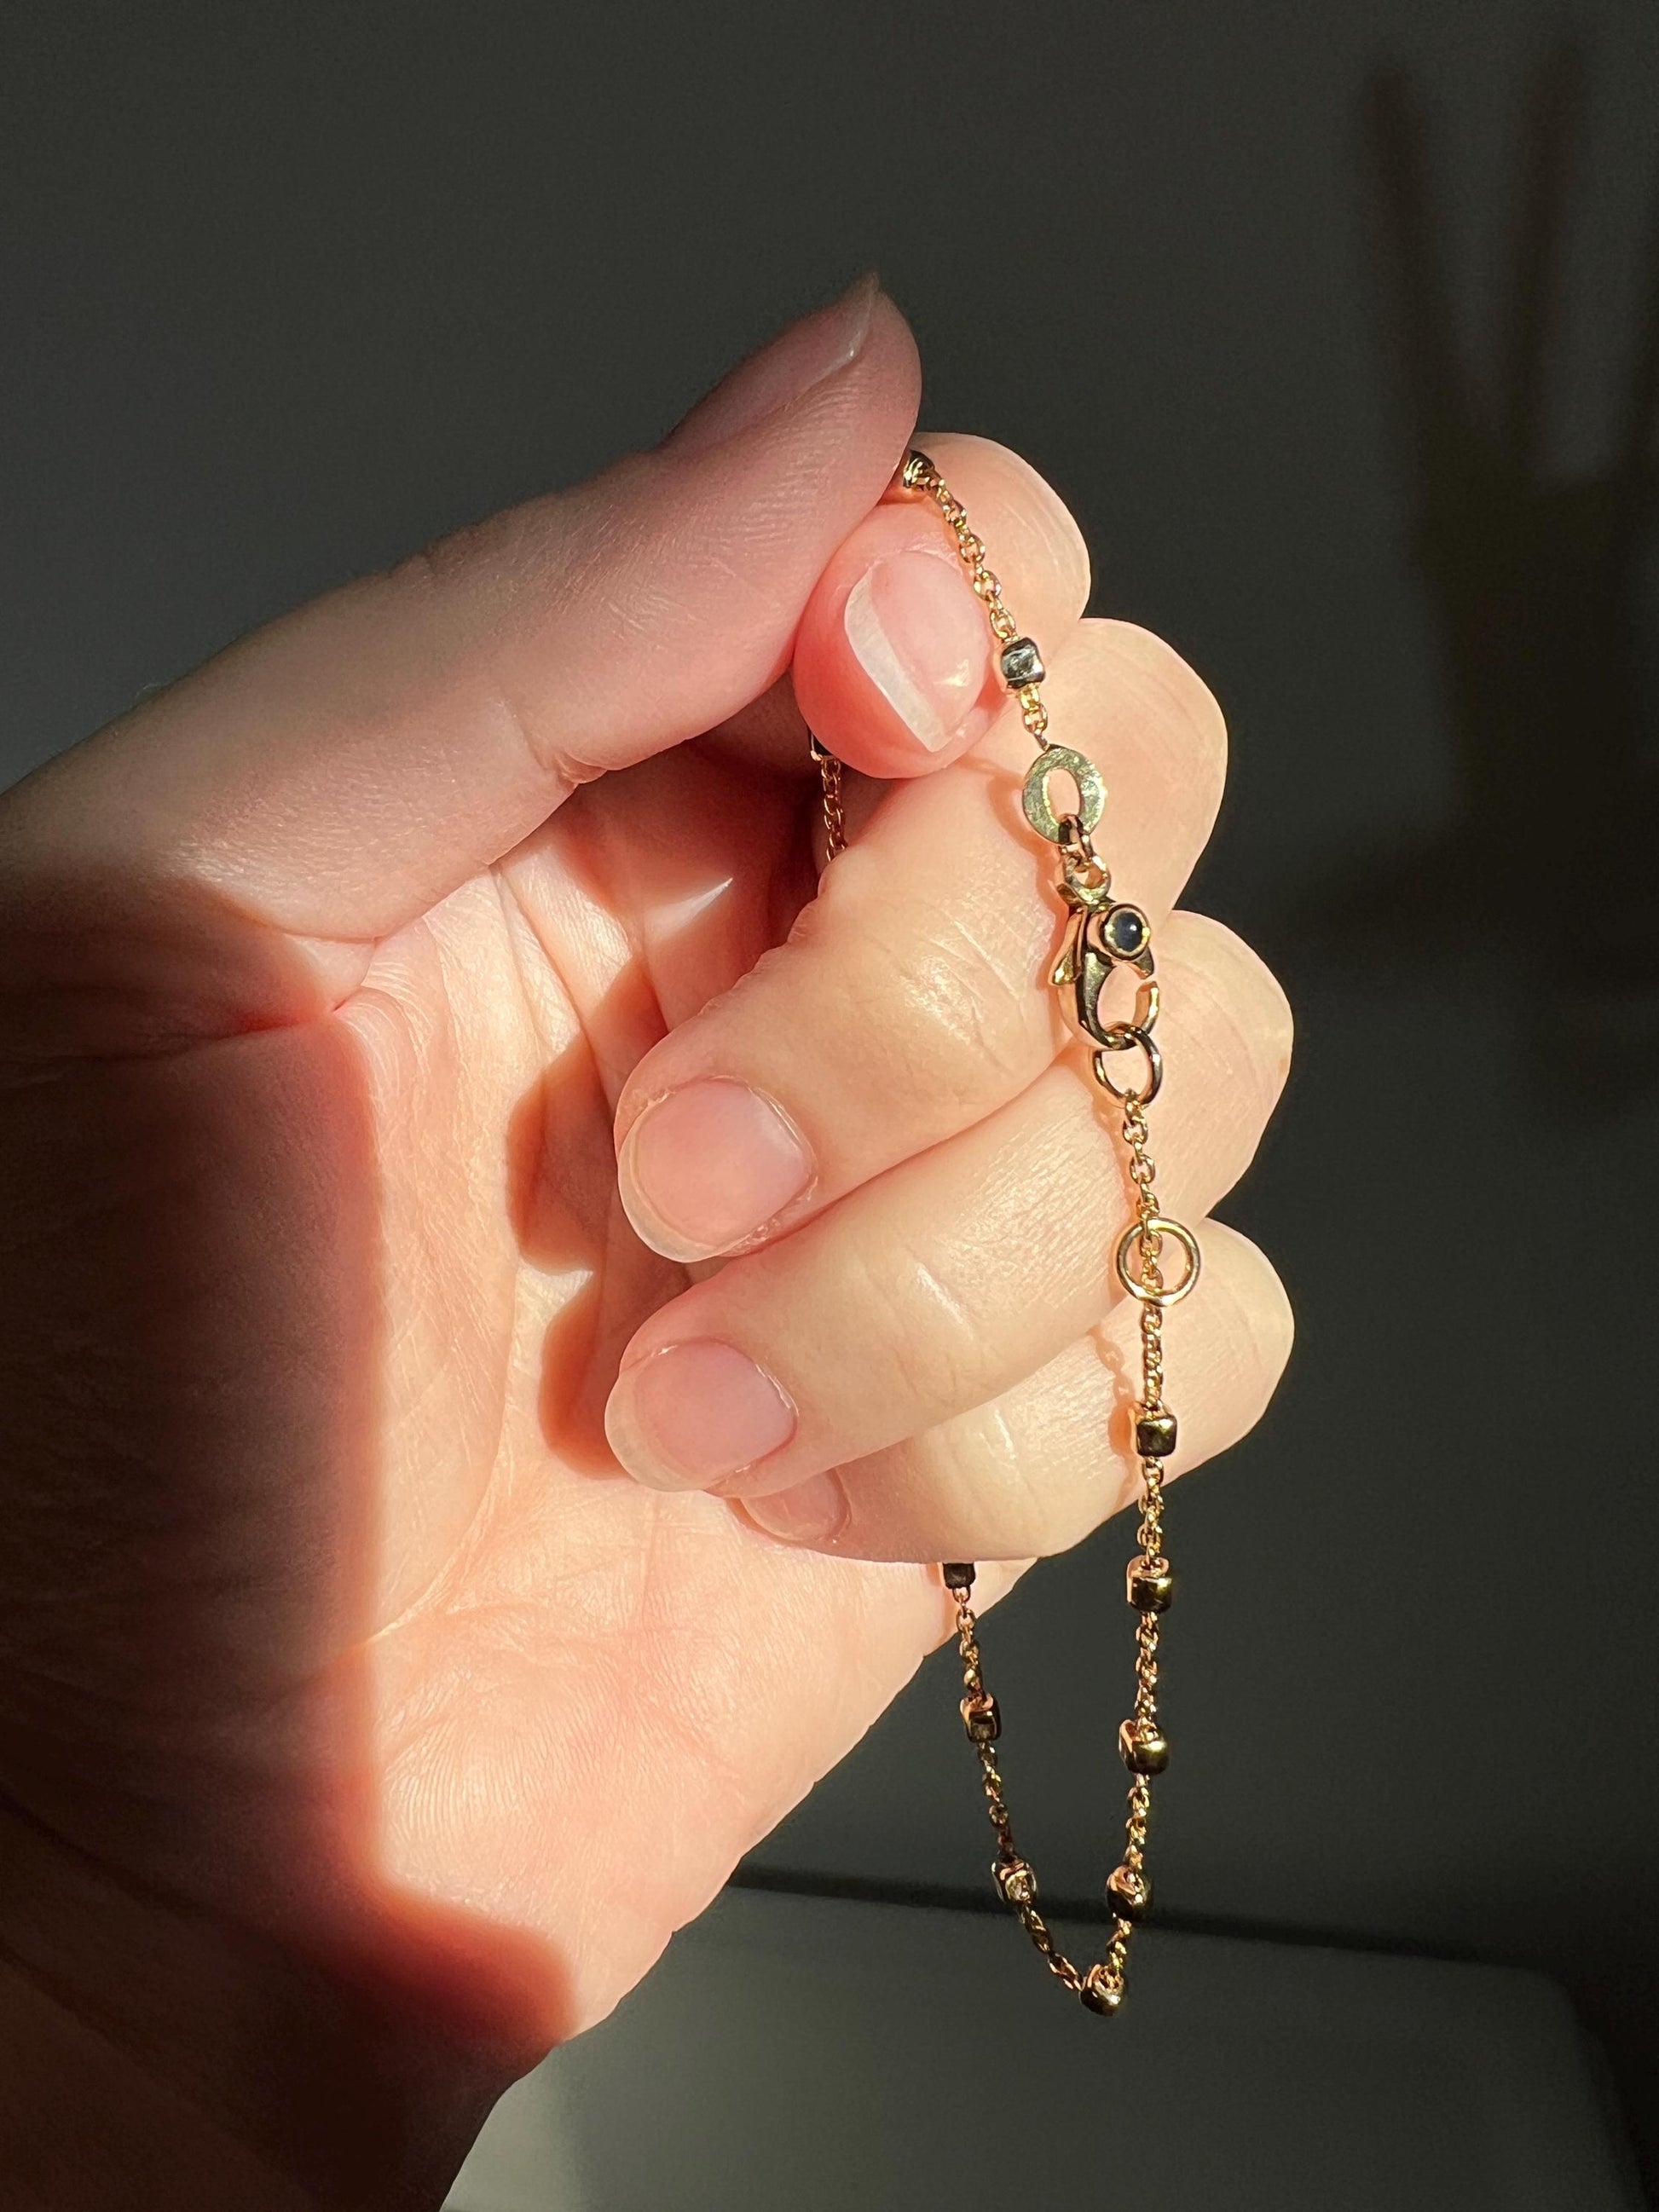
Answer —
(1101, 935)
(834, 819)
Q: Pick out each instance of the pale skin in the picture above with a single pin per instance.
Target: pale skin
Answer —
(505, 1285)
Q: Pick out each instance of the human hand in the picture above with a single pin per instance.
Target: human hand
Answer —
(353, 1690)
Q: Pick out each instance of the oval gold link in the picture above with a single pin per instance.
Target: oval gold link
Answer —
(1057, 760)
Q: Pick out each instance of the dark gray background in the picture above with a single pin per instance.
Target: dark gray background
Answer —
(289, 291)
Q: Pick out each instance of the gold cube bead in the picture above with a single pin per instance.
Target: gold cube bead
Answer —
(1155, 1435)
(1099, 1992)
(1129, 1894)
(1142, 1748)
(980, 1718)
(1020, 663)
(1149, 1583)
(1017, 1881)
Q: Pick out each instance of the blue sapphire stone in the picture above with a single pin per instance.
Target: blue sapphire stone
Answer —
(1125, 932)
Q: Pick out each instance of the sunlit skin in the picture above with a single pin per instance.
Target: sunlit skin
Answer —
(350, 1680)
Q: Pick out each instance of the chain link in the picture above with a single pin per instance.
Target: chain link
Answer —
(919, 475)
(835, 817)
(1101, 935)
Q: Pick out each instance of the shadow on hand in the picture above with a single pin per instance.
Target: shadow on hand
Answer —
(190, 1352)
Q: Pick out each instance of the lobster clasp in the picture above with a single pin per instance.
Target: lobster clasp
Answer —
(1099, 937)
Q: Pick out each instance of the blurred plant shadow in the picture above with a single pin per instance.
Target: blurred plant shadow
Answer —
(1538, 584)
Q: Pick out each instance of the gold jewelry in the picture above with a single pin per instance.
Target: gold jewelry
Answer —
(1101, 935)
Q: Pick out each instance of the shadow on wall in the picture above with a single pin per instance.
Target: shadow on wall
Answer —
(1542, 588)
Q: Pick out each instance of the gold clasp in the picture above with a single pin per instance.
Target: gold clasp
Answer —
(1094, 944)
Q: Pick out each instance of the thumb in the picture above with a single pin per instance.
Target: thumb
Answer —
(335, 774)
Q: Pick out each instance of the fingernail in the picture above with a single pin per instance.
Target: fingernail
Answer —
(811, 1513)
(920, 635)
(684, 1416)
(708, 1165)
(797, 359)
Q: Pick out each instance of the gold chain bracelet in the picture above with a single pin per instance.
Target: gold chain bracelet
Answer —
(1101, 933)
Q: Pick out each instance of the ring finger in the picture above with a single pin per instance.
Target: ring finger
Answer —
(1035, 1470)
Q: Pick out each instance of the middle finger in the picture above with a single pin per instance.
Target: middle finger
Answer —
(950, 1278)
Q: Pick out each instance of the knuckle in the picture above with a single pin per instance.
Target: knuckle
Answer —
(976, 1489)
(917, 1327)
(453, 578)
(958, 1024)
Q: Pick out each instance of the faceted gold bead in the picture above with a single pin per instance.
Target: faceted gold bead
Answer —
(1099, 1993)
(1017, 1881)
(980, 1718)
(1155, 1435)
(1129, 1894)
(1149, 1583)
(1141, 1748)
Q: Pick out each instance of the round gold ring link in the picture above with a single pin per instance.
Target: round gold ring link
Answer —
(1101, 935)
(1150, 1291)
(1124, 1038)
